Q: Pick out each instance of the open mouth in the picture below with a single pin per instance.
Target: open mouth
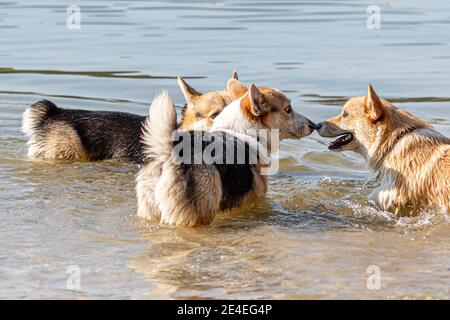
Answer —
(343, 139)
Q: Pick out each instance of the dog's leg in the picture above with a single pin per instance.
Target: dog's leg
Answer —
(383, 196)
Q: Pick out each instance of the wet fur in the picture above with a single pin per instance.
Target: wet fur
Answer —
(193, 194)
(81, 135)
(410, 158)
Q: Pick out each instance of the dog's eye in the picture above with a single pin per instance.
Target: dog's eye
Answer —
(214, 115)
(288, 109)
(345, 114)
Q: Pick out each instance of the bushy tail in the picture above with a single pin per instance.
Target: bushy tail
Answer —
(35, 116)
(158, 128)
(160, 184)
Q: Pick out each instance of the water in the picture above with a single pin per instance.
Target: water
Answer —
(314, 236)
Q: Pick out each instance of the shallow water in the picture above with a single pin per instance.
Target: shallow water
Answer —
(314, 237)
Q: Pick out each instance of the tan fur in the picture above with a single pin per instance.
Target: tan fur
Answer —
(201, 110)
(164, 198)
(410, 158)
(275, 110)
(162, 185)
(260, 185)
(247, 109)
(56, 148)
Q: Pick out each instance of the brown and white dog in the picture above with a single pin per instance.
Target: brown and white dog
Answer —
(191, 194)
(409, 157)
(82, 135)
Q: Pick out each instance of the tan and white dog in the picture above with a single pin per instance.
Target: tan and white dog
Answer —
(410, 158)
(191, 194)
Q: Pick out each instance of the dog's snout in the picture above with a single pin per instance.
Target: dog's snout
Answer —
(319, 125)
(311, 125)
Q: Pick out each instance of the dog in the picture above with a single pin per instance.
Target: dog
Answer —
(81, 135)
(186, 194)
(410, 159)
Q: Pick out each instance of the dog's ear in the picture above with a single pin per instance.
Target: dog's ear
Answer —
(188, 92)
(236, 89)
(234, 75)
(373, 104)
(256, 100)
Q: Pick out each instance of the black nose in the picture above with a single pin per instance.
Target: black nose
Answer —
(319, 125)
(312, 125)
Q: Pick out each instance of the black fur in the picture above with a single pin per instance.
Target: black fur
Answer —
(236, 179)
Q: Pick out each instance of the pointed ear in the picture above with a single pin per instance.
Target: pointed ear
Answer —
(188, 92)
(256, 100)
(236, 89)
(373, 104)
(234, 75)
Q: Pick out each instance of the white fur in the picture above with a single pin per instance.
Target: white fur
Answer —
(32, 118)
(161, 186)
(232, 118)
(158, 128)
(156, 137)
(29, 120)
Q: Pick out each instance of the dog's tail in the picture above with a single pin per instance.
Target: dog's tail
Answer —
(35, 116)
(161, 186)
(158, 128)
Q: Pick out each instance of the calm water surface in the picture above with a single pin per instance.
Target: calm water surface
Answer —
(314, 236)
